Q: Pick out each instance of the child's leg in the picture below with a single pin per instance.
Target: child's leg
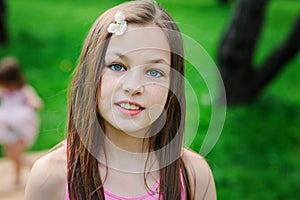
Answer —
(14, 152)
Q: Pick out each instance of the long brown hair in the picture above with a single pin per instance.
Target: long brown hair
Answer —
(85, 123)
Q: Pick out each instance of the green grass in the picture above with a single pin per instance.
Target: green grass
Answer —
(257, 155)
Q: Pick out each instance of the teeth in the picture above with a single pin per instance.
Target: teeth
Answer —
(129, 106)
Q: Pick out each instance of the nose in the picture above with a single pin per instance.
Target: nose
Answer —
(132, 83)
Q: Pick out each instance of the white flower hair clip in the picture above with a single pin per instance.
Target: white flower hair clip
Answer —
(120, 26)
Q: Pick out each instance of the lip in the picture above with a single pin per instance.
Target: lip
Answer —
(128, 111)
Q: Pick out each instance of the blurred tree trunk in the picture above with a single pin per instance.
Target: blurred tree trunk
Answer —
(243, 81)
(3, 31)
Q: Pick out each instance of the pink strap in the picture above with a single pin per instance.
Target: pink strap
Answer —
(67, 193)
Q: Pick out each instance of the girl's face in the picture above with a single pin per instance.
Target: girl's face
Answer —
(135, 80)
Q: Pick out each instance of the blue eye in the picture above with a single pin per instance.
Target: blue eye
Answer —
(117, 67)
(155, 73)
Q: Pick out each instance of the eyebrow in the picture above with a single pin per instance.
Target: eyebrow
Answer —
(159, 60)
(115, 55)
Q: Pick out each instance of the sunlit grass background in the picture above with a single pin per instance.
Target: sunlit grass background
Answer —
(257, 155)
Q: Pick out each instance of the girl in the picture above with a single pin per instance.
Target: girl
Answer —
(18, 120)
(126, 117)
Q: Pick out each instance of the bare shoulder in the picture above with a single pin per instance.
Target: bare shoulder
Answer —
(47, 179)
(32, 97)
(200, 175)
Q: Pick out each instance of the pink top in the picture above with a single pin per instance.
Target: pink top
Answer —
(151, 195)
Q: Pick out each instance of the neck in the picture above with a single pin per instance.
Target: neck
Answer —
(127, 153)
(134, 142)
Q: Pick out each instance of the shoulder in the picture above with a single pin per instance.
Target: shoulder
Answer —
(32, 97)
(27, 89)
(48, 177)
(200, 175)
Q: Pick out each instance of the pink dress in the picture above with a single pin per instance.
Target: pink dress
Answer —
(151, 195)
(18, 119)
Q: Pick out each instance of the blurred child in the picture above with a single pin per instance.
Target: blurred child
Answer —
(19, 122)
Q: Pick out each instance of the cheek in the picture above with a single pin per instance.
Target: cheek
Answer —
(161, 94)
(158, 103)
(107, 88)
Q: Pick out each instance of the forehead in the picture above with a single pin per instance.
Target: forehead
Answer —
(140, 39)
